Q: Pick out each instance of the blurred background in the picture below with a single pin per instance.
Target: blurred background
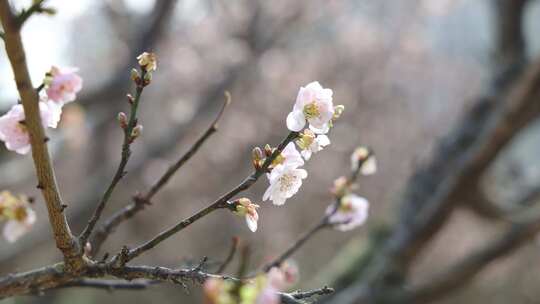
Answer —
(406, 72)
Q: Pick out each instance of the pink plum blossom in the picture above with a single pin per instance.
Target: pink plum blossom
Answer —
(313, 104)
(63, 84)
(351, 212)
(13, 131)
(285, 181)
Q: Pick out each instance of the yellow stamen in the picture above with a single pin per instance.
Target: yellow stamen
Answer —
(311, 110)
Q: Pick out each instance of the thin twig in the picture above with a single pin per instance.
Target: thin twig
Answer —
(139, 202)
(120, 172)
(36, 7)
(230, 256)
(218, 204)
(299, 295)
(65, 241)
(296, 245)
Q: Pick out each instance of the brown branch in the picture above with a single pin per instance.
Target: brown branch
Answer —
(140, 201)
(220, 203)
(109, 285)
(65, 241)
(32, 281)
(120, 171)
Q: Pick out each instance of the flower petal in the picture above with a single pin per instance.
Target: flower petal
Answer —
(251, 223)
(296, 121)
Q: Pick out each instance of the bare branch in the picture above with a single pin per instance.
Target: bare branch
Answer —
(65, 241)
(120, 172)
(296, 245)
(220, 203)
(140, 201)
(32, 281)
(109, 285)
(297, 296)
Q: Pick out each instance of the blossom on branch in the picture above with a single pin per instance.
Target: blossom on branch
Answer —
(244, 207)
(20, 217)
(364, 160)
(148, 61)
(313, 105)
(285, 181)
(13, 130)
(285, 276)
(289, 157)
(351, 212)
(62, 84)
(310, 143)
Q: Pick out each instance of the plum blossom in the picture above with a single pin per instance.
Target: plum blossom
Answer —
(13, 131)
(218, 291)
(351, 212)
(20, 217)
(246, 208)
(285, 181)
(289, 157)
(310, 143)
(148, 61)
(62, 84)
(314, 105)
(284, 276)
(364, 158)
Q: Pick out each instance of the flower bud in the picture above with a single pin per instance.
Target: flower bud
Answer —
(87, 248)
(135, 76)
(130, 98)
(147, 61)
(257, 156)
(341, 186)
(147, 78)
(338, 110)
(136, 132)
(363, 159)
(122, 119)
(268, 150)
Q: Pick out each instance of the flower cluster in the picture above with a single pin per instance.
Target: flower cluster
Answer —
(314, 106)
(351, 210)
(264, 289)
(61, 87)
(18, 215)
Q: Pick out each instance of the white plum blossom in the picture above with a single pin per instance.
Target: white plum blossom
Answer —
(13, 131)
(310, 143)
(247, 209)
(289, 157)
(351, 212)
(285, 181)
(364, 158)
(20, 217)
(313, 105)
(62, 84)
(15, 229)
